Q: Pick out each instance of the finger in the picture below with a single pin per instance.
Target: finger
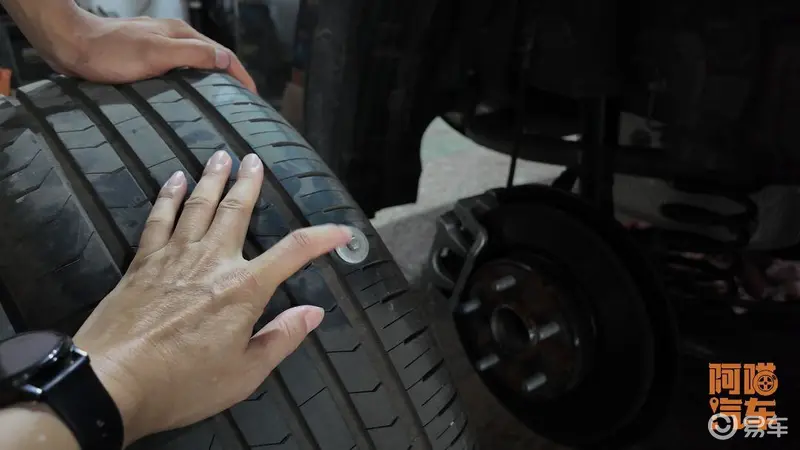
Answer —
(225, 59)
(280, 337)
(169, 53)
(234, 211)
(198, 211)
(296, 250)
(178, 28)
(158, 227)
(237, 70)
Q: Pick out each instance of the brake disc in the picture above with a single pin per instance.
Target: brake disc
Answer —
(562, 316)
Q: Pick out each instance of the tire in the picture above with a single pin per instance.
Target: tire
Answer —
(371, 92)
(80, 165)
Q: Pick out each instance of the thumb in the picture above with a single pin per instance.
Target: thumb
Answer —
(194, 53)
(281, 336)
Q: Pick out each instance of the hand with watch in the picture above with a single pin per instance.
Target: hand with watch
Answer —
(171, 344)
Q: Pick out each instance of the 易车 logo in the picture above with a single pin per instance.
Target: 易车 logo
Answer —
(742, 397)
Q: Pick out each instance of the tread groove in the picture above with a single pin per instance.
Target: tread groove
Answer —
(338, 390)
(398, 318)
(241, 104)
(374, 283)
(109, 232)
(299, 428)
(260, 119)
(410, 338)
(460, 433)
(312, 397)
(48, 221)
(368, 265)
(228, 432)
(192, 165)
(11, 142)
(444, 408)
(417, 358)
(33, 188)
(290, 144)
(429, 373)
(390, 425)
(354, 349)
(22, 167)
(434, 394)
(321, 191)
(237, 144)
(356, 314)
(441, 433)
(277, 387)
(287, 159)
(294, 218)
(355, 394)
(375, 389)
(114, 138)
(240, 148)
(77, 257)
(321, 174)
(394, 295)
(448, 404)
(339, 208)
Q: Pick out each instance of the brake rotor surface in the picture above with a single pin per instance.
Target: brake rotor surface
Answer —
(565, 322)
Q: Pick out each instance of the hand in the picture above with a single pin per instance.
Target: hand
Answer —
(112, 50)
(172, 342)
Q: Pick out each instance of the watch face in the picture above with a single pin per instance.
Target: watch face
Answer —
(27, 352)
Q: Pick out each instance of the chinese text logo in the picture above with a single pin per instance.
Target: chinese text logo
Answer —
(742, 397)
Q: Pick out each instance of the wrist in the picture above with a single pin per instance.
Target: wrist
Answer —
(57, 29)
(124, 391)
(66, 41)
(35, 425)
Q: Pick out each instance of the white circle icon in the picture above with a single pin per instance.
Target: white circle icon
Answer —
(725, 430)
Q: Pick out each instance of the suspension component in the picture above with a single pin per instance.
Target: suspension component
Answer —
(547, 294)
(703, 261)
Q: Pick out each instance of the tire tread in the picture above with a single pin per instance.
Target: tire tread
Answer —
(369, 378)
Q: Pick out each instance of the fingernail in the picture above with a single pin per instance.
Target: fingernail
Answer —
(176, 180)
(251, 163)
(313, 317)
(222, 58)
(218, 161)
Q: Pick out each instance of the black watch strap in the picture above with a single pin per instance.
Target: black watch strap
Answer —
(94, 419)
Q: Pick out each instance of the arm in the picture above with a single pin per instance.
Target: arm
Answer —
(51, 26)
(109, 50)
(34, 427)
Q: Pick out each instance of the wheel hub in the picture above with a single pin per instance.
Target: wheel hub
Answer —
(562, 316)
(524, 327)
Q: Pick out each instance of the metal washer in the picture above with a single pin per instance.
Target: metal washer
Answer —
(357, 250)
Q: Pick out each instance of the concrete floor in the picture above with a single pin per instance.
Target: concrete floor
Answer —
(453, 167)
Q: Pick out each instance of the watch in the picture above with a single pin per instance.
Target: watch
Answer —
(47, 367)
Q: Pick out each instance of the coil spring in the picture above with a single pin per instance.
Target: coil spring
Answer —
(704, 266)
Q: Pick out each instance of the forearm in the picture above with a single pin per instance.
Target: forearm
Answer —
(34, 427)
(46, 23)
